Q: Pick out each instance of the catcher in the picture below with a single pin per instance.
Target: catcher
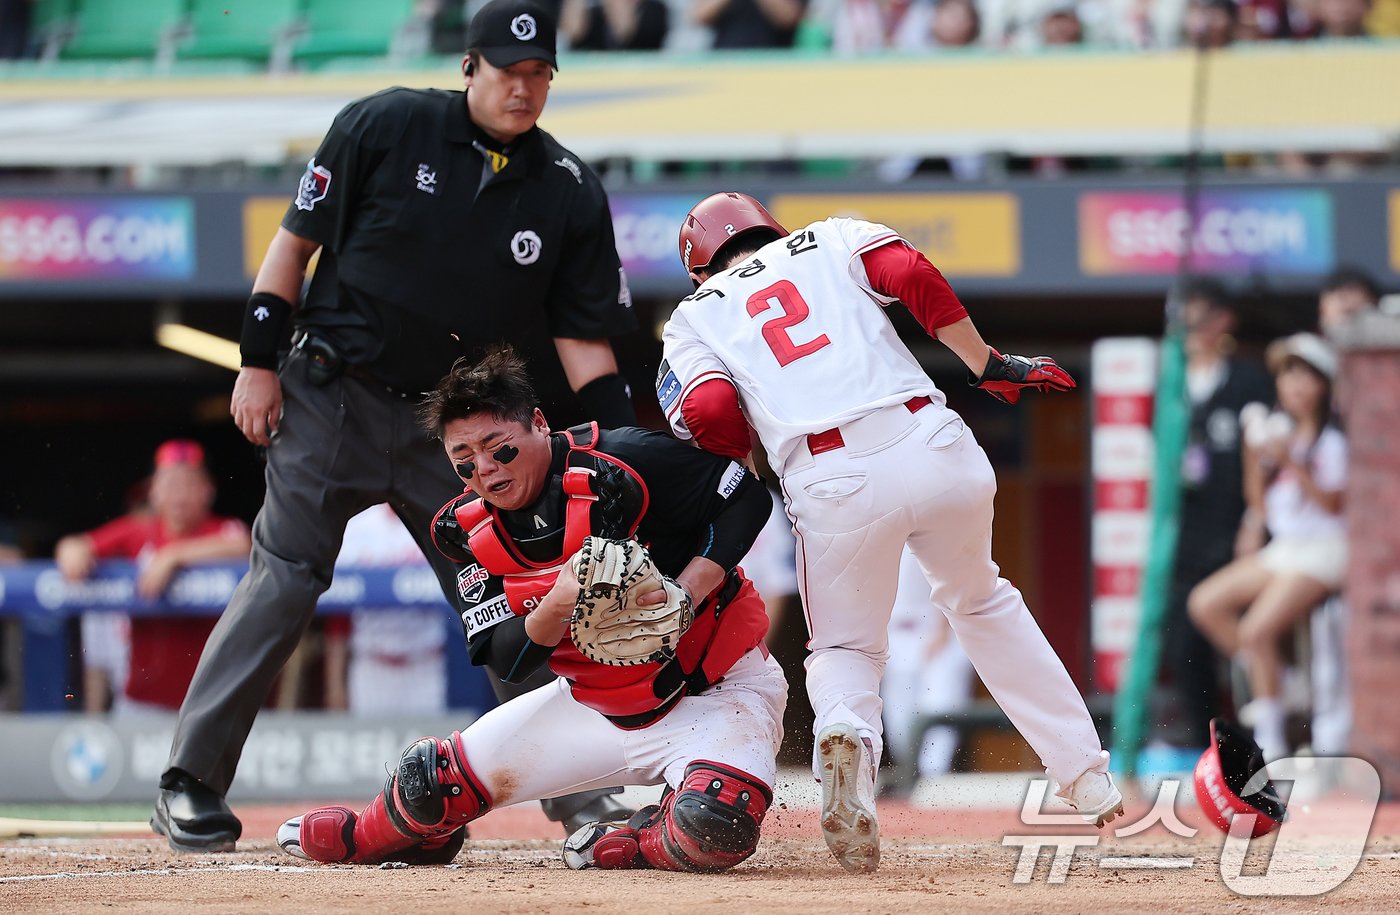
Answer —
(610, 556)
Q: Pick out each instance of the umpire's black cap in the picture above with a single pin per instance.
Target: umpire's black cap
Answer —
(509, 31)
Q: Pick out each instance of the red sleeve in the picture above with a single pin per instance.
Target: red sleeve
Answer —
(711, 413)
(903, 273)
(121, 537)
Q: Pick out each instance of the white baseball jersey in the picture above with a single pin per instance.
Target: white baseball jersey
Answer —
(800, 332)
(803, 336)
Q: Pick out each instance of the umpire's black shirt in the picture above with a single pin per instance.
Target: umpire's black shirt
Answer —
(437, 241)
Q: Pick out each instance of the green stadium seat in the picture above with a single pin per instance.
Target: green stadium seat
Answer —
(238, 29)
(115, 29)
(350, 28)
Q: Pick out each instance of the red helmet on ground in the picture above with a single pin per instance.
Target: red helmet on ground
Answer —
(1222, 775)
(718, 219)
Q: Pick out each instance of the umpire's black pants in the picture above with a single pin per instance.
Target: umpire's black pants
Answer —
(340, 448)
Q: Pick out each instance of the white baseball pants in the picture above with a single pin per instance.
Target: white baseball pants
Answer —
(921, 479)
(545, 744)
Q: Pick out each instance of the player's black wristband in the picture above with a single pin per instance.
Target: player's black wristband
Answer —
(264, 330)
(608, 399)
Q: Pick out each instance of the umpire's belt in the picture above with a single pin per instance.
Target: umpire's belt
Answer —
(325, 364)
(672, 681)
(831, 439)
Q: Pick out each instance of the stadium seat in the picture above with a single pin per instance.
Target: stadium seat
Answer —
(116, 29)
(350, 28)
(246, 29)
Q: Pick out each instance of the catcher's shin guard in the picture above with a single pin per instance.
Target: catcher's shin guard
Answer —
(710, 824)
(433, 793)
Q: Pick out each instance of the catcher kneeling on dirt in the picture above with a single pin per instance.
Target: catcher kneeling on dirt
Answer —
(611, 557)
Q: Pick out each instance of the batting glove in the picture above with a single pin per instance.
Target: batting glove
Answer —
(1005, 376)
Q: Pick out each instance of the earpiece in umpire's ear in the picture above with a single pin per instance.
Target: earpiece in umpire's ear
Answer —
(467, 67)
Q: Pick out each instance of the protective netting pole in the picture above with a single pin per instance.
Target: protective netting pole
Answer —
(1170, 418)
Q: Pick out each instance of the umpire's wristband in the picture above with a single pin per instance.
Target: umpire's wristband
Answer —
(264, 330)
(608, 400)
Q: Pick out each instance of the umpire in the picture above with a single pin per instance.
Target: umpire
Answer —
(445, 221)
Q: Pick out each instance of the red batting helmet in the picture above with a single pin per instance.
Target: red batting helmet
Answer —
(1223, 773)
(718, 219)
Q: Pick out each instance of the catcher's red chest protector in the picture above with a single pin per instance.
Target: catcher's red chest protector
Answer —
(631, 696)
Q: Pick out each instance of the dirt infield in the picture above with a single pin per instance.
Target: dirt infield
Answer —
(934, 860)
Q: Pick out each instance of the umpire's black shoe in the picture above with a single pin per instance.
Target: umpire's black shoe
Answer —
(193, 817)
(605, 809)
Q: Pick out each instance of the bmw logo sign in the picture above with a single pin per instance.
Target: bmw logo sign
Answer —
(87, 760)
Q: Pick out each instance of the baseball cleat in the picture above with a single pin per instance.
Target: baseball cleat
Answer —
(1096, 797)
(603, 809)
(289, 838)
(608, 846)
(848, 798)
(326, 834)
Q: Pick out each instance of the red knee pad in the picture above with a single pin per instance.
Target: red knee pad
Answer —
(710, 824)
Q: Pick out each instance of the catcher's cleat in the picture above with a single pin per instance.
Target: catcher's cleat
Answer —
(1095, 796)
(606, 808)
(326, 834)
(608, 846)
(848, 798)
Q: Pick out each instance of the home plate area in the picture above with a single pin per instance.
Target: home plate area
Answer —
(959, 845)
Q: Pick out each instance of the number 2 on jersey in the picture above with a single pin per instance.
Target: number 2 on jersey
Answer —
(775, 330)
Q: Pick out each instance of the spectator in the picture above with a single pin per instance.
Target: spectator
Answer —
(1219, 384)
(615, 25)
(1347, 291)
(1267, 20)
(1342, 18)
(179, 531)
(397, 661)
(870, 26)
(750, 23)
(955, 24)
(1211, 24)
(1061, 26)
(1295, 471)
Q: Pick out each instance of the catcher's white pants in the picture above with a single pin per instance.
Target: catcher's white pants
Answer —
(545, 744)
(921, 479)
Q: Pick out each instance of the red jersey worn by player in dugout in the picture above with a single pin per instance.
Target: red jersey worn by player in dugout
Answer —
(602, 493)
(164, 649)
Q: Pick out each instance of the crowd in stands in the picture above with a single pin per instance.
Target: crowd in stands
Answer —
(308, 33)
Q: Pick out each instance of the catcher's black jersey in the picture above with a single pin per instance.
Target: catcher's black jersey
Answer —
(692, 503)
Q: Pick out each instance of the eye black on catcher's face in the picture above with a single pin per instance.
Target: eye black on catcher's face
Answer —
(503, 461)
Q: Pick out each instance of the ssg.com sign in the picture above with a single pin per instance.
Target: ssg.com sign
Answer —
(1285, 231)
(60, 238)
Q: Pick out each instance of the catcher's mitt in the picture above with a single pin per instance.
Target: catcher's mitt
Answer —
(610, 625)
